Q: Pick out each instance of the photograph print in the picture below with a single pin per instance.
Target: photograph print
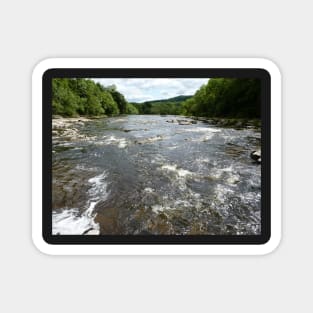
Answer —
(156, 156)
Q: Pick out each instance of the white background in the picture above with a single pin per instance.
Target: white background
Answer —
(34, 30)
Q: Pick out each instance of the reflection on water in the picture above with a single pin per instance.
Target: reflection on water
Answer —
(143, 175)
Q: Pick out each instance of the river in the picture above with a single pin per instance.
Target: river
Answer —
(146, 174)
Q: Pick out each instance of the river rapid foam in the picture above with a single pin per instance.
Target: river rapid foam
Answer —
(71, 221)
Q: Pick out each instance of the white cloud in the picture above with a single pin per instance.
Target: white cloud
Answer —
(144, 89)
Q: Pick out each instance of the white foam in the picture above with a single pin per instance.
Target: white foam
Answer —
(157, 208)
(151, 139)
(120, 142)
(207, 137)
(179, 171)
(90, 208)
(228, 173)
(233, 179)
(183, 203)
(71, 222)
(203, 138)
(156, 138)
(183, 173)
(149, 190)
(169, 167)
(202, 129)
(83, 167)
(222, 192)
(98, 187)
(227, 169)
(119, 120)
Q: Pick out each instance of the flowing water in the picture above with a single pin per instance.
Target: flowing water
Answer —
(149, 175)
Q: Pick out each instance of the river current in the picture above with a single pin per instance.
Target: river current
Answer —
(147, 174)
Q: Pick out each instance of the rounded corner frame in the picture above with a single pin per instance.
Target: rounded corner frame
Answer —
(148, 249)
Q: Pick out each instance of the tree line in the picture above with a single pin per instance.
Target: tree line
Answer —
(220, 97)
(78, 96)
(226, 97)
(172, 106)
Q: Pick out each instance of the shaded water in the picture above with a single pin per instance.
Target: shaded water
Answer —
(143, 175)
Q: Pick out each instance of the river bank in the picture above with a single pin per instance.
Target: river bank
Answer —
(229, 122)
(218, 121)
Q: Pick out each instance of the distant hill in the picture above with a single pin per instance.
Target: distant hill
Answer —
(174, 99)
(162, 106)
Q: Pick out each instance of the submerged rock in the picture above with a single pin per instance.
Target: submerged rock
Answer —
(148, 140)
(107, 218)
(184, 122)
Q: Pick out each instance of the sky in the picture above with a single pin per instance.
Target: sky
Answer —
(145, 89)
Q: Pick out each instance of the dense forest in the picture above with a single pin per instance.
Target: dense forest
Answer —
(220, 97)
(171, 106)
(75, 97)
(226, 97)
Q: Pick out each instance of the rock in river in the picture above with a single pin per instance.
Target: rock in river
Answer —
(256, 156)
(184, 122)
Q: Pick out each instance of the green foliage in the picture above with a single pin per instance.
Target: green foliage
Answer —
(220, 97)
(64, 100)
(226, 97)
(131, 109)
(73, 97)
(118, 98)
(170, 106)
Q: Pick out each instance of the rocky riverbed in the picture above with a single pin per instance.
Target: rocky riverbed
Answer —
(148, 175)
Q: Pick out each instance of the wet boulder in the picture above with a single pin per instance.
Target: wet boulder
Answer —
(107, 218)
(256, 156)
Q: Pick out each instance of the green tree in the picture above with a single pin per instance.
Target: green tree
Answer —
(226, 97)
(73, 97)
(118, 98)
(131, 109)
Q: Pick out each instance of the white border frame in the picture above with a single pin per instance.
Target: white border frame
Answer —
(152, 249)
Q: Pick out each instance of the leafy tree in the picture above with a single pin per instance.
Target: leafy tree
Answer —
(220, 97)
(93, 106)
(73, 97)
(118, 98)
(131, 109)
(226, 97)
(64, 100)
(109, 106)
